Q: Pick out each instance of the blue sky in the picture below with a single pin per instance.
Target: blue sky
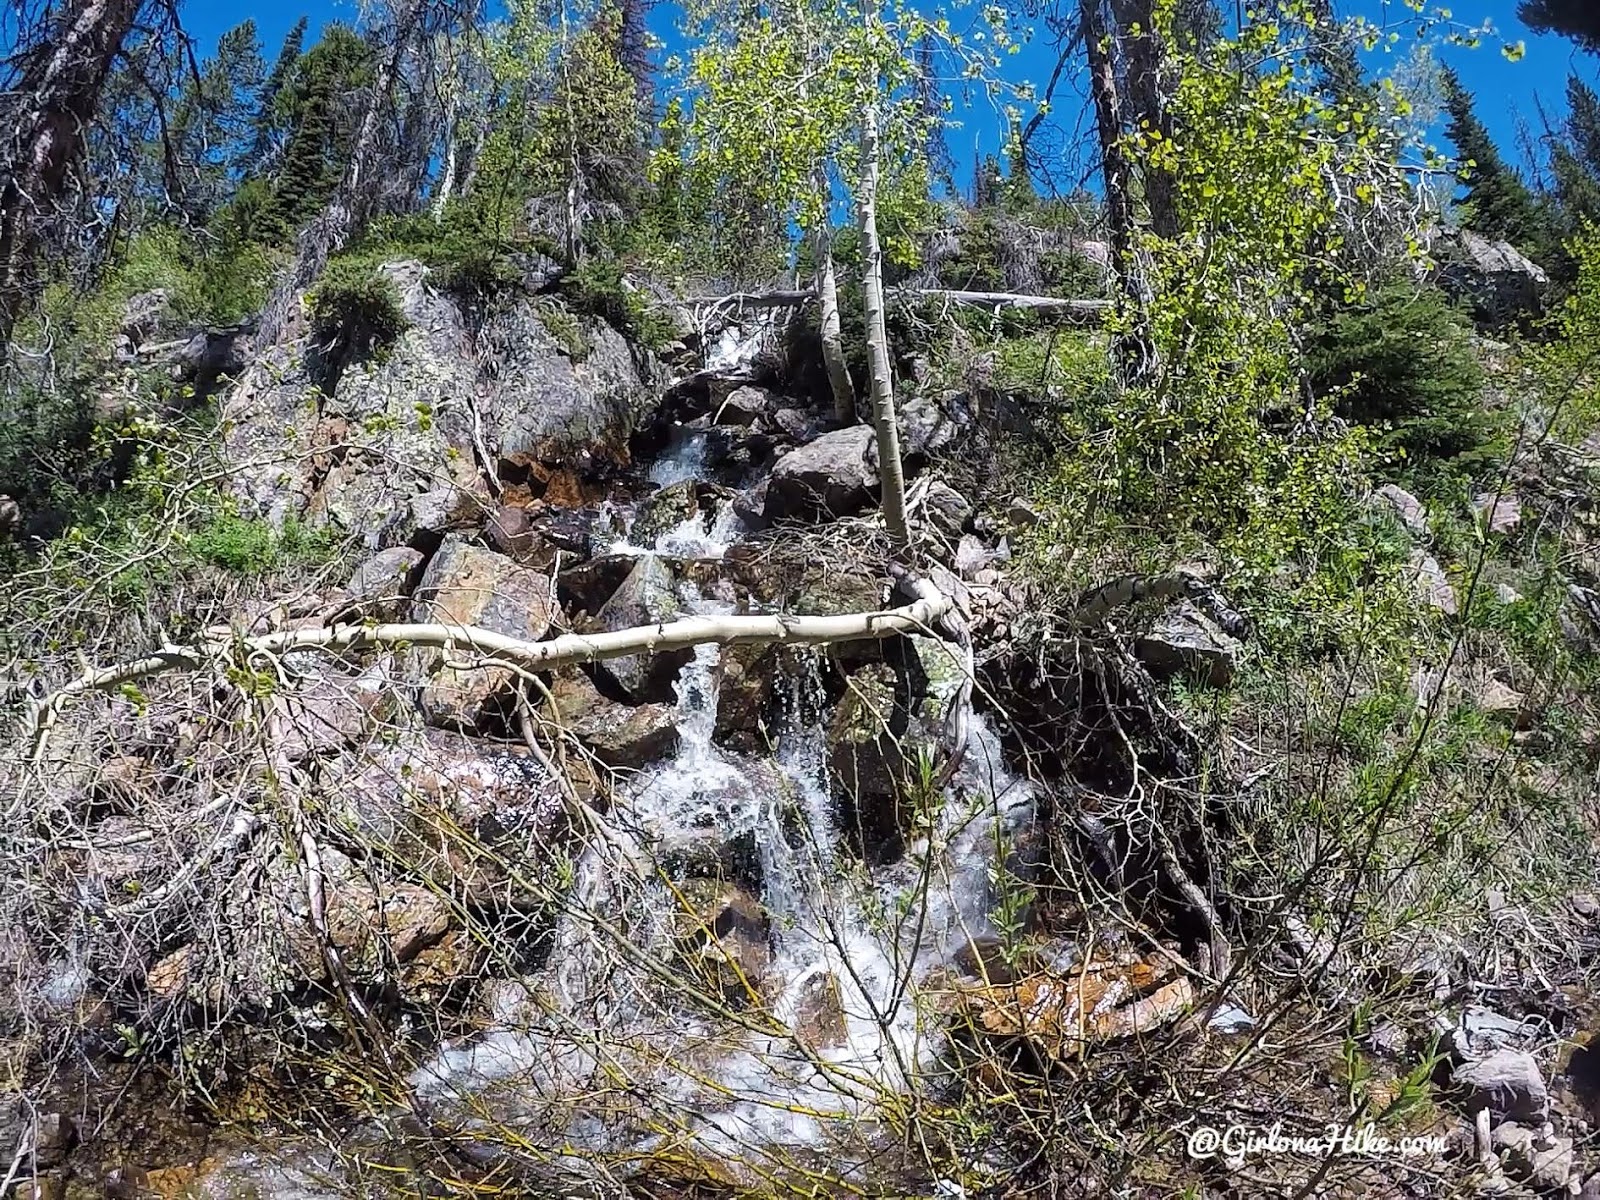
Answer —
(1508, 93)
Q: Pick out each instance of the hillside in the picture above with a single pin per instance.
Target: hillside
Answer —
(585, 623)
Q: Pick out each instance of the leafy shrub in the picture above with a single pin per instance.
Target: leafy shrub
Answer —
(1402, 364)
(355, 307)
(246, 546)
(596, 287)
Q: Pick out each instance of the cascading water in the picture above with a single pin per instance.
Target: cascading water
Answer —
(835, 1028)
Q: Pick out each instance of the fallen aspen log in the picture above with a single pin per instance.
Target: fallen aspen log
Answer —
(223, 646)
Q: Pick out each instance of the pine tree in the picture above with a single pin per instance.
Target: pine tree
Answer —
(1575, 19)
(1501, 206)
(318, 105)
(212, 122)
(268, 126)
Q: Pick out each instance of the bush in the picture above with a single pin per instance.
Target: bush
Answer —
(1402, 364)
(355, 307)
(596, 287)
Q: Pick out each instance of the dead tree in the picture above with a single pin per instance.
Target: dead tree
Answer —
(51, 106)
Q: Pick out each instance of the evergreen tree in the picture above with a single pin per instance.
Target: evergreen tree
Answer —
(1501, 205)
(1576, 19)
(318, 107)
(212, 121)
(267, 126)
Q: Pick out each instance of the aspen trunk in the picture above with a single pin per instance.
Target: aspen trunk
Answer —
(890, 469)
(844, 394)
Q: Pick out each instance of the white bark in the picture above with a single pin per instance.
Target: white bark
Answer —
(890, 469)
(844, 394)
(490, 647)
(1044, 305)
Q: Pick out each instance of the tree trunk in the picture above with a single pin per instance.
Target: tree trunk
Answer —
(1135, 352)
(844, 393)
(55, 104)
(1142, 56)
(447, 171)
(890, 469)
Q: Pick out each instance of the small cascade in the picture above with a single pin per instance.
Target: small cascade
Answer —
(684, 458)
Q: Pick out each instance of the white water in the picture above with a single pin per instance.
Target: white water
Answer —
(698, 536)
(868, 937)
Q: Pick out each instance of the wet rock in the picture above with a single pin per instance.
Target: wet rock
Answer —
(371, 924)
(947, 509)
(723, 938)
(819, 1017)
(619, 735)
(445, 966)
(1432, 585)
(381, 585)
(466, 585)
(1536, 1156)
(1185, 641)
(169, 978)
(826, 478)
(747, 405)
(750, 505)
(587, 586)
(646, 597)
(665, 511)
(1500, 514)
(284, 1170)
(1404, 505)
(871, 761)
(1507, 1082)
(746, 676)
(1058, 1014)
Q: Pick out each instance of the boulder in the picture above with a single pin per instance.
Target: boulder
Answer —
(826, 478)
(747, 405)
(1058, 1014)
(1404, 505)
(723, 938)
(330, 711)
(871, 761)
(468, 585)
(1432, 585)
(925, 428)
(746, 676)
(1186, 641)
(1507, 1082)
(618, 735)
(947, 509)
(371, 924)
(648, 596)
(381, 585)
(1536, 1156)
(1480, 1032)
(1497, 279)
(664, 511)
(587, 586)
(513, 532)
(563, 389)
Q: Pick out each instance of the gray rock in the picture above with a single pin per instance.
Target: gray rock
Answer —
(381, 585)
(747, 405)
(1507, 1082)
(1497, 279)
(828, 477)
(1185, 641)
(1022, 515)
(468, 585)
(1432, 585)
(946, 508)
(1500, 514)
(1539, 1157)
(1404, 505)
(544, 403)
(665, 511)
(925, 430)
(1481, 1032)
(871, 756)
(647, 597)
(331, 711)
(54, 1136)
